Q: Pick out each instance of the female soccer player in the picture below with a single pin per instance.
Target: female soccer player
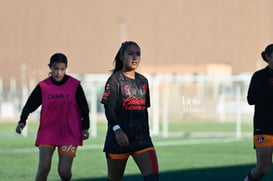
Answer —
(64, 120)
(260, 94)
(126, 99)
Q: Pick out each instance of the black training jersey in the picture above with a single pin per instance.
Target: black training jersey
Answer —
(260, 94)
(126, 101)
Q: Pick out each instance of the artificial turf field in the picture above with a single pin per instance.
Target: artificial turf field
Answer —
(202, 158)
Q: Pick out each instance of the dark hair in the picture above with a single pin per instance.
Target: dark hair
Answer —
(118, 61)
(267, 52)
(57, 58)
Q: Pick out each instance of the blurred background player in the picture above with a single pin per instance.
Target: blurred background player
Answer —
(64, 120)
(126, 99)
(260, 94)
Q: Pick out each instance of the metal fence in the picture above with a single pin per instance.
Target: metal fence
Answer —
(174, 98)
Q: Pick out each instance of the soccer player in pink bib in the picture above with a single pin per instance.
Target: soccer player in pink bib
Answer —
(126, 99)
(64, 118)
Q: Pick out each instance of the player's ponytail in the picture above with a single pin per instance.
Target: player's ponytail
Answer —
(118, 61)
(267, 52)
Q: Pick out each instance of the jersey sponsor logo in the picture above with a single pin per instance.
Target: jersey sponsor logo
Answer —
(134, 103)
(107, 86)
(106, 94)
(144, 87)
(68, 148)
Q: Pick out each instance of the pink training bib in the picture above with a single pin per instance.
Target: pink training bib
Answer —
(60, 122)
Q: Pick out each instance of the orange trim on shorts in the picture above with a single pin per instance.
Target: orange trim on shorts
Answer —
(263, 140)
(122, 156)
(144, 150)
(63, 149)
(47, 145)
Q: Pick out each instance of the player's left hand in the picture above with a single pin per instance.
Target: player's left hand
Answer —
(85, 134)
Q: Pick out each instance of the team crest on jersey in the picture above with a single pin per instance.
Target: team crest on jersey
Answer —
(127, 90)
(260, 139)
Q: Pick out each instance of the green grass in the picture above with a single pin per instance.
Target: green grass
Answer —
(208, 127)
(180, 158)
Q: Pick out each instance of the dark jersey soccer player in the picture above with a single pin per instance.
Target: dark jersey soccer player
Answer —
(64, 121)
(126, 99)
(260, 94)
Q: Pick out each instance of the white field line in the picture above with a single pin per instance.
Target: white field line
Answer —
(157, 144)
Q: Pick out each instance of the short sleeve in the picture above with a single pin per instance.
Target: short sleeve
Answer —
(111, 92)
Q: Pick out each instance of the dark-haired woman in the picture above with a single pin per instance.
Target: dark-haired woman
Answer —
(64, 120)
(126, 99)
(260, 94)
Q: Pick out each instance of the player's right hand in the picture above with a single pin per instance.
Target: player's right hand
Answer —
(19, 128)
